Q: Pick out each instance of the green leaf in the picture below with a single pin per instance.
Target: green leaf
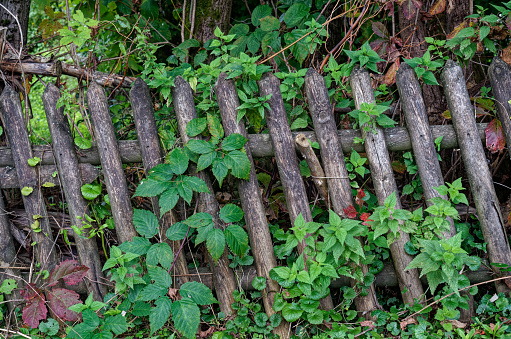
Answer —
(315, 317)
(186, 317)
(168, 200)
(240, 165)
(269, 23)
(26, 191)
(90, 191)
(178, 161)
(260, 319)
(34, 161)
(299, 123)
(138, 246)
(295, 14)
(216, 243)
(83, 143)
(160, 314)
(205, 160)
(160, 253)
(483, 32)
(195, 183)
(146, 223)
(199, 220)
(177, 231)
(237, 239)
(278, 302)
(48, 184)
(219, 170)
(260, 12)
(429, 78)
(231, 213)
(160, 276)
(259, 283)
(200, 146)
(149, 188)
(196, 126)
(233, 142)
(152, 292)
(141, 309)
(198, 293)
(291, 312)
(150, 9)
(116, 324)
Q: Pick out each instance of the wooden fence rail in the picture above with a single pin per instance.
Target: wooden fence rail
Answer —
(280, 142)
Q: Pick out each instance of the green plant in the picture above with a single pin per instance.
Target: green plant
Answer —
(370, 115)
(424, 66)
(365, 56)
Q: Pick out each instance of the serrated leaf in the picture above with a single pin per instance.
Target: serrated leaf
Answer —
(83, 143)
(198, 293)
(240, 164)
(150, 188)
(260, 12)
(231, 213)
(116, 324)
(196, 126)
(60, 301)
(205, 160)
(195, 183)
(26, 191)
(186, 317)
(70, 271)
(177, 231)
(160, 253)
(152, 292)
(35, 311)
(200, 146)
(269, 23)
(138, 246)
(199, 220)
(215, 243)
(233, 142)
(219, 170)
(90, 191)
(168, 200)
(160, 314)
(295, 14)
(160, 276)
(178, 161)
(146, 223)
(140, 309)
(237, 239)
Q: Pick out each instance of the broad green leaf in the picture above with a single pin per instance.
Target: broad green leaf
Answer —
(198, 293)
(91, 191)
(160, 253)
(186, 317)
(147, 188)
(26, 191)
(295, 13)
(178, 161)
(205, 160)
(240, 164)
(259, 283)
(199, 220)
(237, 239)
(260, 12)
(160, 276)
(34, 161)
(195, 183)
(269, 23)
(233, 142)
(231, 213)
(291, 312)
(150, 10)
(177, 231)
(216, 243)
(215, 126)
(219, 170)
(196, 126)
(152, 292)
(145, 223)
(200, 146)
(316, 317)
(141, 309)
(279, 302)
(160, 314)
(116, 324)
(138, 246)
(168, 200)
(83, 143)
(299, 123)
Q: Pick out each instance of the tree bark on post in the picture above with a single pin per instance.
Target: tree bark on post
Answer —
(500, 80)
(287, 162)
(20, 9)
(339, 186)
(251, 202)
(479, 176)
(10, 107)
(385, 185)
(67, 164)
(152, 155)
(223, 276)
(116, 185)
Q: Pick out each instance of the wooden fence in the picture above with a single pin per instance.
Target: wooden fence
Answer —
(464, 134)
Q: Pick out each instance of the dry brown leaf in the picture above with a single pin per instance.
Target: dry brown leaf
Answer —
(173, 293)
(456, 30)
(456, 323)
(390, 76)
(438, 7)
(506, 55)
(407, 322)
(368, 323)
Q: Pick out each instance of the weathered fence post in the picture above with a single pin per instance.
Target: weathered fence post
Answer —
(424, 150)
(69, 172)
(479, 176)
(10, 107)
(251, 201)
(111, 163)
(287, 162)
(332, 157)
(385, 185)
(152, 155)
(500, 80)
(223, 276)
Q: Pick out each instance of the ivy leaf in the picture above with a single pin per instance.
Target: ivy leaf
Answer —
(186, 317)
(83, 143)
(35, 311)
(196, 126)
(259, 283)
(216, 243)
(199, 293)
(233, 142)
(116, 324)
(60, 301)
(160, 314)
(291, 312)
(70, 271)
(160, 253)
(34, 161)
(90, 191)
(146, 223)
(495, 140)
(237, 239)
(26, 191)
(231, 213)
(177, 231)
(178, 161)
(240, 164)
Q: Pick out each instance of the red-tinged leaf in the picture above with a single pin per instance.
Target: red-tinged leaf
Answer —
(398, 166)
(365, 217)
(358, 198)
(70, 271)
(446, 114)
(438, 7)
(379, 46)
(35, 311)
(30, 292)
(380, 30)
(456, 30)
(60, 301)
(409, 7)
(350, 212)
(389, 6)
(508, 21)
(390, 76)
(495, 140)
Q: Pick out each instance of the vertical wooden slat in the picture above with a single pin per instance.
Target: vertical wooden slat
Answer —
(10, 107)
(111, 163)
(152, 155)
(385, 185)
(479, 176)
(251, 201)
(67, 164)
(332, 157)
(500, 80)
(287, 162)
(223, 276)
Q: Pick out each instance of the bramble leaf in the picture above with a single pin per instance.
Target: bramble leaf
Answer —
(60, 301)
(160, 314)
(145, 223)
(70, 271)
(186, 317)
(199, 293)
